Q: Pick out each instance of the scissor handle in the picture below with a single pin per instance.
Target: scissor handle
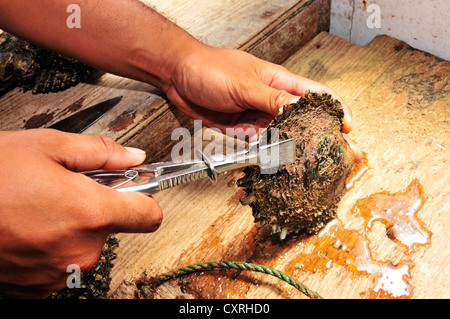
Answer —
(107, 177)
(163, 175)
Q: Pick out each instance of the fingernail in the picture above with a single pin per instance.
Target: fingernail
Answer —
(347, 120)
(134, 150)
(294, 100)
(357, 153)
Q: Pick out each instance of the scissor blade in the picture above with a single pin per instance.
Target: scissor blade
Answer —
(276, 154)
(269, 157)
(166, 175)
(193, 174)
(80, 121)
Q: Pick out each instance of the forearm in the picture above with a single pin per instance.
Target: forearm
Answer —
(123, 37)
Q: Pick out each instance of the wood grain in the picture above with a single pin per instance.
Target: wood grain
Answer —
(399, 97)
(144, 118)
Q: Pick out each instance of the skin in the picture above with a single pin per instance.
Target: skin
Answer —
(40, 187)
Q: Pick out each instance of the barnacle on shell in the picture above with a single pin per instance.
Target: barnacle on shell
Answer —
(303, 196)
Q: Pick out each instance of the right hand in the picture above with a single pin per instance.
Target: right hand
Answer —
(51, 216)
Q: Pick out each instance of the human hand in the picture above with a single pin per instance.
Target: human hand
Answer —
(234, 82)
(228, 88)
(51, 217)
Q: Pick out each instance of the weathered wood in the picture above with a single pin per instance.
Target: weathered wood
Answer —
(144, 118)
(287, 34)
(399, 97)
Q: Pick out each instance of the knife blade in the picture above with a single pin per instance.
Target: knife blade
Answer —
(80, 121)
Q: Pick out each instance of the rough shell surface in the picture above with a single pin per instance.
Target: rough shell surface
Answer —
(30, 67)
(303, 196)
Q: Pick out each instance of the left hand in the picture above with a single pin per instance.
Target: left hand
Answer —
(228, 88)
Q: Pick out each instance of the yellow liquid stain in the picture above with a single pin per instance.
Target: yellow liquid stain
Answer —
(348, 248)
(358, 170)
(398, 211)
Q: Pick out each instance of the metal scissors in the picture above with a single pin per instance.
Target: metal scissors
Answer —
(155, 177)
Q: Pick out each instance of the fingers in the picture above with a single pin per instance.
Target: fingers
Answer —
(357, 153)
(131, 212)
(268, 99)
(271, 100)
(123, 212)
(105, 210)
(87, 152)
(297, 86)
(278, 98)
(128, 212)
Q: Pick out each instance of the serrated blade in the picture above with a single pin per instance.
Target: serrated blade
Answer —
(198, 173)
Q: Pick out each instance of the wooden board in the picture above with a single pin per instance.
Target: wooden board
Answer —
(399, 97)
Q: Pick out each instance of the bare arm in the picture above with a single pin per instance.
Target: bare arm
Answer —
(128, 38)
(124, 37)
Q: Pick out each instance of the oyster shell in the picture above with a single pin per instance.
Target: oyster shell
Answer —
(303, 196)
(25, 65)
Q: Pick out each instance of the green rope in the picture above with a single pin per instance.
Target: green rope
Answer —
(235, 265)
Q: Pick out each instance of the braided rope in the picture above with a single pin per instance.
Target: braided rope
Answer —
(236, 265)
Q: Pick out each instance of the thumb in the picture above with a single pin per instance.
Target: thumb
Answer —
(270, 100)
(128, 212)
(78, 152)
(131, 212)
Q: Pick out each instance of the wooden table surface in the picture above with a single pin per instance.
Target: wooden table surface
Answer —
(400, 102)
(399, 97)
